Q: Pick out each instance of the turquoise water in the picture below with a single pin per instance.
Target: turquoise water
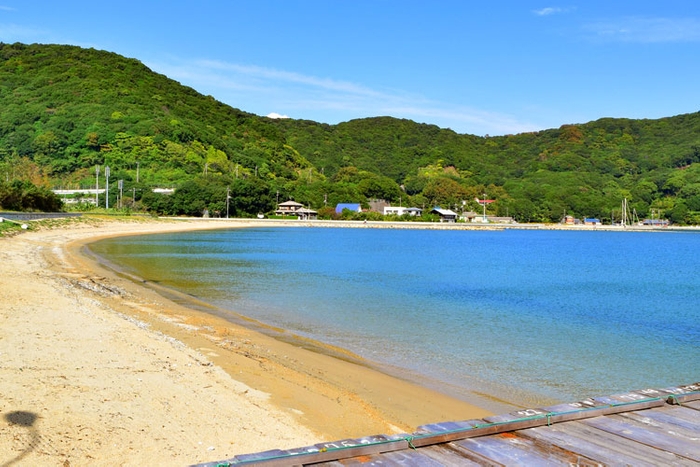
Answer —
(527, 316)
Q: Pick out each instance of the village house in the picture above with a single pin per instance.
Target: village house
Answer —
(400, 211)
(446, 215)
(304, 214)
(288, 208)
(292, 208)
(469, 216)
(417, 212)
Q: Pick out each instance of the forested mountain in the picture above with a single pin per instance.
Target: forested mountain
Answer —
(66, 110)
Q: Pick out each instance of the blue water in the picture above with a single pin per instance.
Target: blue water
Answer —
(529, 317)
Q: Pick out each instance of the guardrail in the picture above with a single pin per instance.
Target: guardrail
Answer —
(32, 216)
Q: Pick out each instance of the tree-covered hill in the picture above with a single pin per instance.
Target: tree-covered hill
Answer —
(584, 170)
(66, 110)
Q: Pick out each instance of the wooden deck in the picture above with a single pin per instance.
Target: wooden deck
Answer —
(650, 427)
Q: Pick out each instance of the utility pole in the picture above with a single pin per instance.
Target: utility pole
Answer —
(97, 186)
(107, 188)
(121, 192)
(228, 197)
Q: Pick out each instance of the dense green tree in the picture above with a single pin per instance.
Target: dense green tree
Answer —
(67, 109)
(25, 196)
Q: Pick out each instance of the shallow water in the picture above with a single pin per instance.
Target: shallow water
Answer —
(527, 316)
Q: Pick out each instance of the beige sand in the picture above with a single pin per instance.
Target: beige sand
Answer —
(98, 370)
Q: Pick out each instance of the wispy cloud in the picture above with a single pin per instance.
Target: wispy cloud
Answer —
(548, 11)
(7, 8)
(267, 91)
(269, 74)
(646, 30)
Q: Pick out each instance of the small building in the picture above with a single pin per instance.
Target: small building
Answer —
(394, 210)
(592, 221)
(446, 215)
(349, 206)
(304, 214)
(79, 196)
(501, 220)
(292, 208)
(288, 208)
(655, 222)
(416, 212)
(469, 216)
(400, 211)
(164, 191)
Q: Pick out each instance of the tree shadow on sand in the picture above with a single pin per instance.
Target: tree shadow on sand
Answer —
(25, 419)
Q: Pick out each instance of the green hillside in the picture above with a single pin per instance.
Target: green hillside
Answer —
(66, 110)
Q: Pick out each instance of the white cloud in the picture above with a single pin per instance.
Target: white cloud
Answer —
(7, 8)
(287, 76)
(548, 11)
(257, 89)
(647, 30)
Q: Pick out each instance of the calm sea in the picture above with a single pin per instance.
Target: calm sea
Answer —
(530, 317)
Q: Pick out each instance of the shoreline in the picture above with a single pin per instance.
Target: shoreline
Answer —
(489, 402)
(440, 225)
(298, 396)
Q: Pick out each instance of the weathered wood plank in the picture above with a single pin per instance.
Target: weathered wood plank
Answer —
(625, 399)
(447, 455)
(631, 428)
(429, 457)
(693, 405)
(321, 452)
(684, 418)
(595, 444)
(650, 435)
(512, 449)
(681, 394)
(442, 427)
(452, 431)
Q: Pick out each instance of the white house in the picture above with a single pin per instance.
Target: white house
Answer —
(400, 211)
(394, 210)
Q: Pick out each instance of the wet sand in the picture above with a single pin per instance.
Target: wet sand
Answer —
(98, 369)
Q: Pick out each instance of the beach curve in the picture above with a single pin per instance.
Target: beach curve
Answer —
(109, 371)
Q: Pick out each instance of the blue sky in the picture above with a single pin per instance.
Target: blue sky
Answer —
(479, 67)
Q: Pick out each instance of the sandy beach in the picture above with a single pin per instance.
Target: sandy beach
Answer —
(98, 369)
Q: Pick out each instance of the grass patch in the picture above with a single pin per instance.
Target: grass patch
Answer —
(9, 228)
